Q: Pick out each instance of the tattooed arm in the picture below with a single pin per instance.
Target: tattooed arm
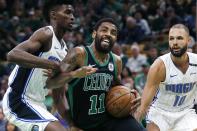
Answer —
(72, 67)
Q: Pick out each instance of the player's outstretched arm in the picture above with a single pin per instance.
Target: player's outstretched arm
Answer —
(72, 67)
(156, 74)
(24, 53)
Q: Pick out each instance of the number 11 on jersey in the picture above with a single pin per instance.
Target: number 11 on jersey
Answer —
(101, 104)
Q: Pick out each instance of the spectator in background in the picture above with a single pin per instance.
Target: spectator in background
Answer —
(189, 50)
(2, 119)
(3, 86)
(24, 34)
(126, 53)
(33, 20)
(120, 51)
(131, 32)
(2, 5)
(172, 18)
(13, 25)
(7, 42)
(136, 61)
(158, 23)
(140, 78)
(79, 39)
(143, 23)
(194, 48)
(112, 5)
(190, 20)
(152, 53)
(117, 49)
(89, 11)
(127, 80)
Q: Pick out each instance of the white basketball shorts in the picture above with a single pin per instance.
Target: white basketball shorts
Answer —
(185, 120)
(28, 115)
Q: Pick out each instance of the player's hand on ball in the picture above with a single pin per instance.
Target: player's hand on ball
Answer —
(118, 101)
(139, 114)
(136, 102)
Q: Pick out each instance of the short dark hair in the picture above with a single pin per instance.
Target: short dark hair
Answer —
(110, 20)
(52, 4)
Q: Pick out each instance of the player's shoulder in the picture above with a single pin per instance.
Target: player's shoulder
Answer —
(47, 30)
(116, 57)
(165, 56)
(79, 50)
(158, 64)
(192, 57)
(157, 70)
(44, 32)
(192, 54)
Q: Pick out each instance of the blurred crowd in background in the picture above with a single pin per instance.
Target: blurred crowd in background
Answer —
(143, 24)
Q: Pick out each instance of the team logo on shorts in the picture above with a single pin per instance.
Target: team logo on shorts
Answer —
(35, 128)
(111, 67)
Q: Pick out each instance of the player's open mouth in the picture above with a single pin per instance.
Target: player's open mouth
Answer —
(105, 42)
(71, 24)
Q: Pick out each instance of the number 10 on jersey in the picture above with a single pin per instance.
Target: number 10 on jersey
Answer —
(179, 100)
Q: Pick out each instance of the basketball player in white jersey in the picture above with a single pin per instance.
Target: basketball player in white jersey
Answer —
(23, 102)
(171, 87)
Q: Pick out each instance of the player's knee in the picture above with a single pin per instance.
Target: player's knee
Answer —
(152, 127)
(195, 129)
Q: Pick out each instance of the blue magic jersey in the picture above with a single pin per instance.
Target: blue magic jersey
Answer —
(28, 83)
(179, 90)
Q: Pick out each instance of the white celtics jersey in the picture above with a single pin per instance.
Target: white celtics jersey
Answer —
(29, 83)
(178, 91)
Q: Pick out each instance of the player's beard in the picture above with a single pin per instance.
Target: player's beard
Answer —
(99, 47)
(180, 53)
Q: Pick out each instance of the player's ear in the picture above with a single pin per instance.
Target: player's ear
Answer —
(93, 34)
(52, 15)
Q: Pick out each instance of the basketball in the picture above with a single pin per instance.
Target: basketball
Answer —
(118, 101)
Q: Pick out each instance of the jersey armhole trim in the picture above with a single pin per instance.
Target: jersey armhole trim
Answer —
(115, 66)
(86, 57)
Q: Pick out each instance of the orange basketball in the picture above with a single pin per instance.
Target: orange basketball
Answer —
(118, 101)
